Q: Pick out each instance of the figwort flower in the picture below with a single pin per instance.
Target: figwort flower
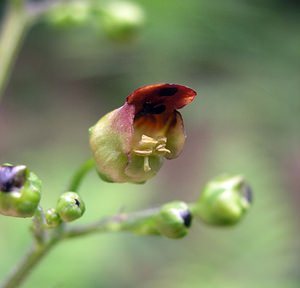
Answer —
(129, 143)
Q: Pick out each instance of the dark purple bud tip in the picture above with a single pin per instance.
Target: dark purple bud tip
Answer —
(186, 217)
(247, 194)
(77, 203)
(12, 178)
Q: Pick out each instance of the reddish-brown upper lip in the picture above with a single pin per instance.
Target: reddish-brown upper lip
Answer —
(158, 98)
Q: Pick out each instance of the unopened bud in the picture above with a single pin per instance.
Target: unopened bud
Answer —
(224, 201)
(174, 220)
(69, 13)
(70, 206)
(122, 20)
(52, 218)
(20, 191)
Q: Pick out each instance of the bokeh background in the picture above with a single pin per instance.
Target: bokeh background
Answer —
(243, 58)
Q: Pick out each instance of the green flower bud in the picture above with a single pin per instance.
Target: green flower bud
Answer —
(174, 219)
(20, 191)
(70, 206)
(68, 14)
(52, 218)
(224, 201)
(121, 20)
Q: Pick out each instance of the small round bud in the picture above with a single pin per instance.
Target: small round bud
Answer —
(68, 14)
(52, 218)
(174, 220)
(122, 20)
(70, 206)
(20, 191)
(224, 201)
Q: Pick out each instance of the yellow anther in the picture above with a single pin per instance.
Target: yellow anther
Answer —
(146, 139)
(143, 152)
(162, 140)
(163, 150)
(160, 146)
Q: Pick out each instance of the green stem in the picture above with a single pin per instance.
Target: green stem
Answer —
(142, 223)
(18, 18)
(80, 174)
(14, 27)
(38, 223)
(134, 222)
(26, 265)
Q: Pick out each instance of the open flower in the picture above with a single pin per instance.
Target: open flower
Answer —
(130, 143)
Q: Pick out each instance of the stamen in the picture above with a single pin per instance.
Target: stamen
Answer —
(147, 167)
(148, 146)
(163, 150)
(160, 146)
(147, 139)
(162, 140)
(143, 152)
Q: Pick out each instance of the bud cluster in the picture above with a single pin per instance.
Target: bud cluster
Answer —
(120, 20)
(69, 207)
(224, 202)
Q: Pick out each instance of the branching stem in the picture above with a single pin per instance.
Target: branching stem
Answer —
(138, 222)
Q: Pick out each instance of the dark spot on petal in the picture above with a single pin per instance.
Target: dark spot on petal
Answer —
(77, 202)
(158, 109)
(149, 108)
(186, 217)
(12, 178)
(168, 91)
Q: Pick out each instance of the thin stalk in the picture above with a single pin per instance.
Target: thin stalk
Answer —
(142, 223)
(18, 18)
(82, 171)
(27, 264)
(138, 222)
(14, 27)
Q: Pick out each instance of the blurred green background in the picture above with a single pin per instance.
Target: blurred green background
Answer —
(243, 58)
